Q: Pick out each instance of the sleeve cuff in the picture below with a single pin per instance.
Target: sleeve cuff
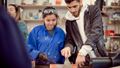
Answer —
(34, 54)
(70, 46)
(85, 50)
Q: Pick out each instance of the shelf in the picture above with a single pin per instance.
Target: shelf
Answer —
(112, 7)
(111, 22)
(116, 21)
(33, 21)
(39, 6)
(114, 37)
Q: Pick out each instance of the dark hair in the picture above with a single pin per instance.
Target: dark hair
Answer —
(69, 1)
(48, 11)
(17, 9)
(15, 6)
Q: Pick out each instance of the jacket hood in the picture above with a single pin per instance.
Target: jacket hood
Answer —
(69, 16)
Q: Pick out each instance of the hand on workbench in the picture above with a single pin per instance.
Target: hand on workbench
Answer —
(80, 60)
(66, 52)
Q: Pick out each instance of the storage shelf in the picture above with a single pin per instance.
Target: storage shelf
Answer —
(39, 6)
(115, 37)
(33, 21)
(114, 22)
(112, 7)
(117, 21)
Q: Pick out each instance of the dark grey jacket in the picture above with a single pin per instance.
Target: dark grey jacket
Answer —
(93, 29)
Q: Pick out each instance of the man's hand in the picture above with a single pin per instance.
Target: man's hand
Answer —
(66, 52)
(80, 60)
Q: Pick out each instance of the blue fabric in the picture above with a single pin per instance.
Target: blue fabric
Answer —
(41, 41)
